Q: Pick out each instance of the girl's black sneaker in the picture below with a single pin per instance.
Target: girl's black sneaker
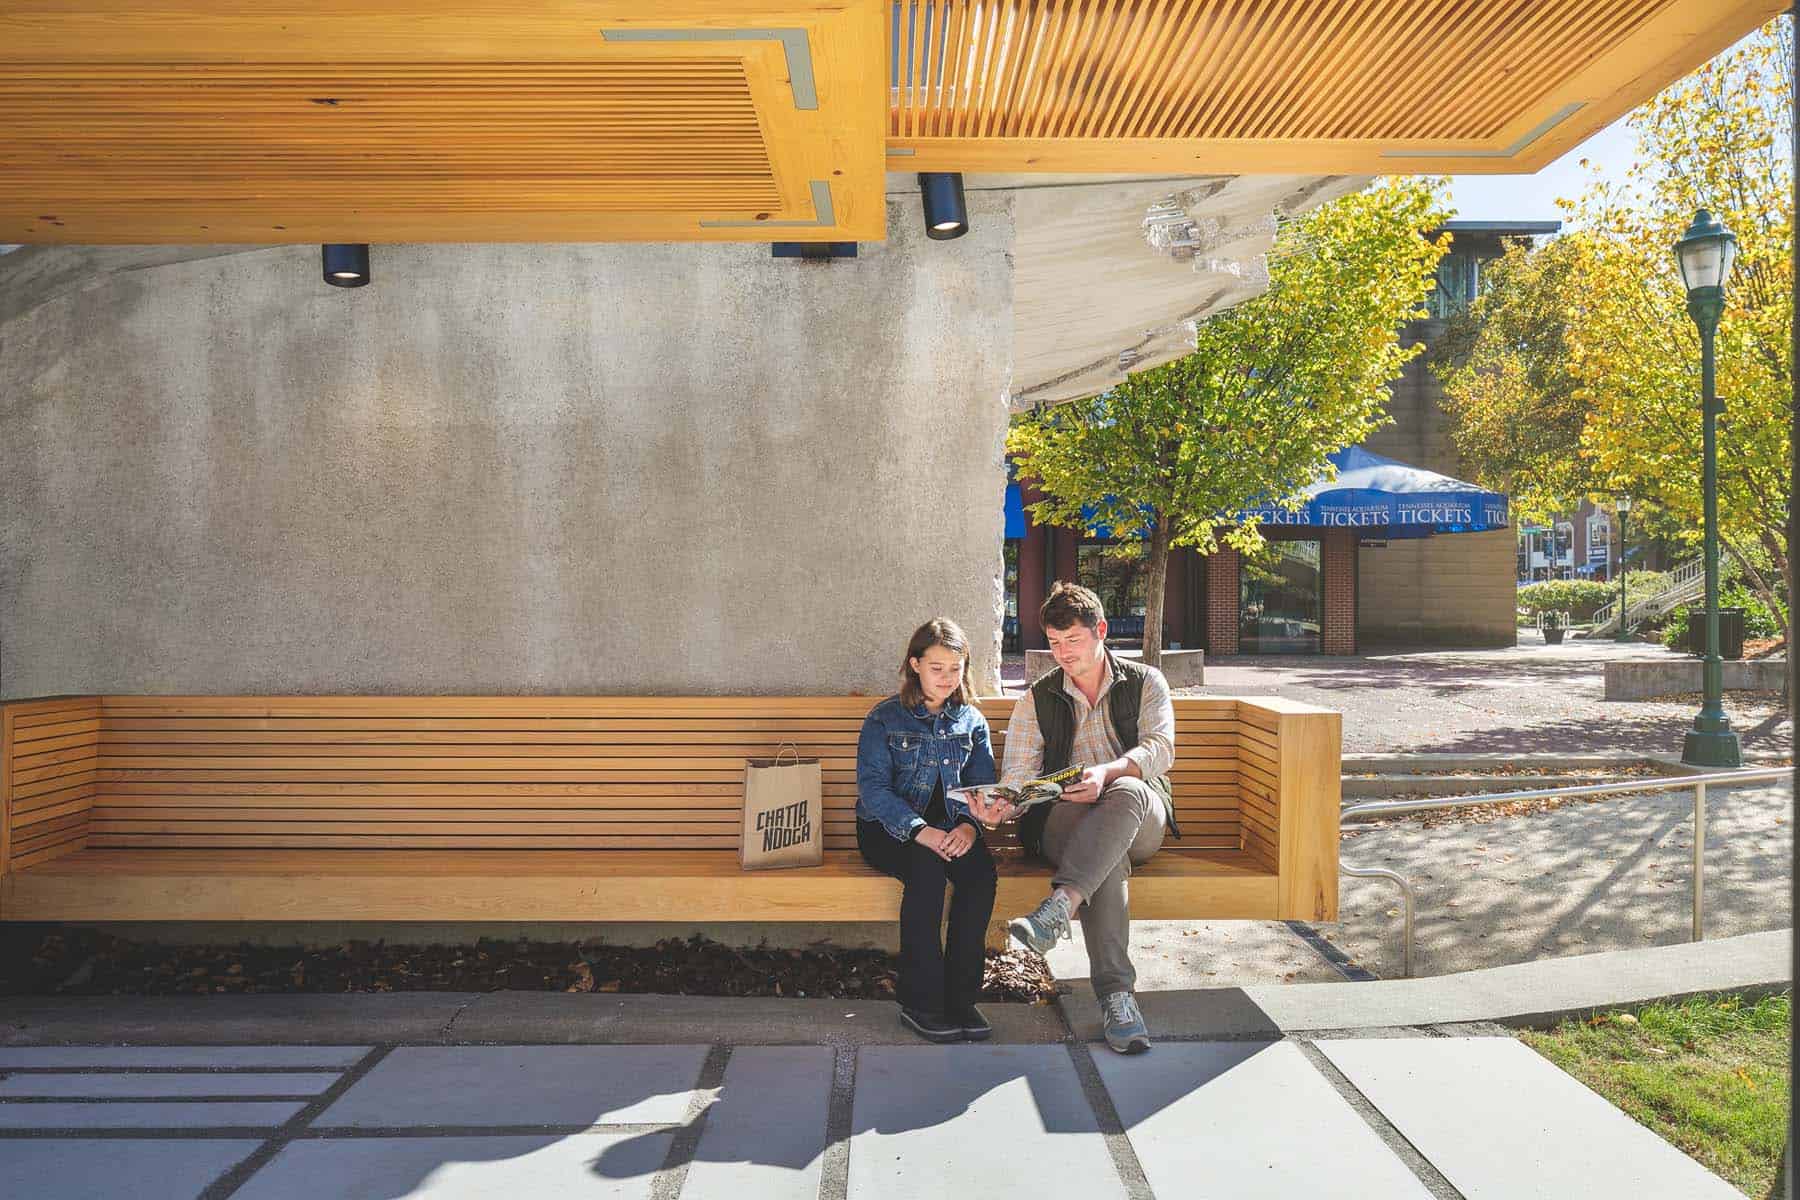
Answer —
(930, 1026)
(975, 1027)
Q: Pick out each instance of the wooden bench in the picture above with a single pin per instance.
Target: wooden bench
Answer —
(563, 809)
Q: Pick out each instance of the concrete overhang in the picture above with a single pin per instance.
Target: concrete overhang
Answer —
(1111, 272)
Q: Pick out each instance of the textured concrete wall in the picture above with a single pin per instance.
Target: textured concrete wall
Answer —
(558, 469)
(1455, 589)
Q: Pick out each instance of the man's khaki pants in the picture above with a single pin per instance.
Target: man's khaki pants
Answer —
(1093, 848)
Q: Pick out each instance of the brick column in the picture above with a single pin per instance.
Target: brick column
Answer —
(1222, 601)
(1338, 555)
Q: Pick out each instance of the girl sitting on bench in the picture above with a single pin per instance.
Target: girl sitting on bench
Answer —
(915, 747)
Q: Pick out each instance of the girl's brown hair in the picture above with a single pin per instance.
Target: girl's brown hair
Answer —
(939, 631)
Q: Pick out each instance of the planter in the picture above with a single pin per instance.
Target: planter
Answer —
(1553, 635)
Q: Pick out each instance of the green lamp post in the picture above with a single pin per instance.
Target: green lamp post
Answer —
(1623, 505)
(1705, 253)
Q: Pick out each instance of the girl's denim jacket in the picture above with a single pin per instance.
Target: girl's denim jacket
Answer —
(905, 752)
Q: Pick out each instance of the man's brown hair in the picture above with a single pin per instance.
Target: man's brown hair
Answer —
(939, 631)
(1069, 605)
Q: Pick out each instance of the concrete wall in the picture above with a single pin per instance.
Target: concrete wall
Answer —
(550, 469)
(1453, 589)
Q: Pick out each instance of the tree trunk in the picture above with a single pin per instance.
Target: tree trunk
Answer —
(1760, 585)
(1154, 587)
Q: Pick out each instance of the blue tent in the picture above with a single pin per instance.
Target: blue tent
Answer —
(1015, 512)
(1384, 498)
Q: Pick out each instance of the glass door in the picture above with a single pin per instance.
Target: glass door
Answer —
(1281, 599)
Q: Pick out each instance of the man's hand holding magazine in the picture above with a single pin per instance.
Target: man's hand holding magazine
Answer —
(995, 805)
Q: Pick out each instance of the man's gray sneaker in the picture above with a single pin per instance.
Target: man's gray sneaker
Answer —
(1124, 1024)
(1047, 924)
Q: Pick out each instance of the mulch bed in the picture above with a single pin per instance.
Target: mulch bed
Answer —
(78, 962)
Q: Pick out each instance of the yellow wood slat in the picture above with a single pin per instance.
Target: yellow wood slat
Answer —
(1424, 72)
(546, 832)
(45, 778)
(26, 738)
(30, 715)
(450, 790)
(1160, 73)
(21, 791)
(648, 864)
(43, 854)
(52, 798)
(422, 841)
(1306, 32)
(77, 806)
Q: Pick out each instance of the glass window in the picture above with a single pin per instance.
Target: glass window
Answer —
(1281, 599)
(1116, 571)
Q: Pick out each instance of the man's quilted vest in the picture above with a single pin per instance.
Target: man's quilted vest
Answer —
(1056, 721)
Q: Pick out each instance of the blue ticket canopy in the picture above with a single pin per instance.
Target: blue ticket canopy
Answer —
(1015, 512)
(1386, 498)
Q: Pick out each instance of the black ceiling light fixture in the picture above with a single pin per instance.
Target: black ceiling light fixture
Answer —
(946, 214)
(346, 264)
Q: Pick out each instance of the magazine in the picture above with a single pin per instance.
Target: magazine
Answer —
(1032, 794)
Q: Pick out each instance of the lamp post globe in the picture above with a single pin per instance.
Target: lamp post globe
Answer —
(1706, 254)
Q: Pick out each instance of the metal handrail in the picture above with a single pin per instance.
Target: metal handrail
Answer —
(1389, 808)
(1685, 583)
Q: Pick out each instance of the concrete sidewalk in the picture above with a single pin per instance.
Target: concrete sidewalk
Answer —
(1265, 1092)
(1278, 1118)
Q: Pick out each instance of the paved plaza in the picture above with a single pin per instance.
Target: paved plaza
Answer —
(1384, 1116)
(1524, 699)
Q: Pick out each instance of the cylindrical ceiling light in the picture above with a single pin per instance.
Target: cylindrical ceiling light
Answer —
(946, 214)
(346, 264)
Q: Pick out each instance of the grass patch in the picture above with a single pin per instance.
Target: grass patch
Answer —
(1709, 1075)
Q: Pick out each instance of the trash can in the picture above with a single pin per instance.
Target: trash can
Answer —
(1731, 633)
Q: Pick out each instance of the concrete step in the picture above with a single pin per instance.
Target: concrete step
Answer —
(1382, 786)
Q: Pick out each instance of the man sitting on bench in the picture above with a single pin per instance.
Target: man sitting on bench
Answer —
(1114, 719)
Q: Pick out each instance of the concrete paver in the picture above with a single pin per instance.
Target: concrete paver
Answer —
(91, 1086)
(611, 1165)
(1500, 1121)
(521, 1085)
(989, 1121)
(1241, 1118)
(1220, 1119)
(765, 1137)
(106, 1168)
(240, 1114)
(182, 1057)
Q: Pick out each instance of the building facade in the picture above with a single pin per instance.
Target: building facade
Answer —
(1319, 590)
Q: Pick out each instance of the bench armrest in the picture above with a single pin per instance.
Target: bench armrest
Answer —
(49, 770)
(1291, 775)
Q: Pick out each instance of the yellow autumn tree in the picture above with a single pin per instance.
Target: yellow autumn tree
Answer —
(1719, 139)
(1587, 379)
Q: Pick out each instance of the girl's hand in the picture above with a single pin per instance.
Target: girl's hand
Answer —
(934, 840)
(958, 841)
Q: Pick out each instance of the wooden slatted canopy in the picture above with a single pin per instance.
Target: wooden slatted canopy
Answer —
(598, 120)
(440, 120)
(1247, 86)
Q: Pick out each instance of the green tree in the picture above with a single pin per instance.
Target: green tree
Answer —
(1272, 387)
(1509, 386)
(1579, 371)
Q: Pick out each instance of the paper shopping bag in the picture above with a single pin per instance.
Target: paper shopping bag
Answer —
(784, 817)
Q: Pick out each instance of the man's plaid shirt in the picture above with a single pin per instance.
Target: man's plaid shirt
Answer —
(1095, 741)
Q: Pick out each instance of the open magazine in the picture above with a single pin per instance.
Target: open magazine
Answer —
(1031, 794)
